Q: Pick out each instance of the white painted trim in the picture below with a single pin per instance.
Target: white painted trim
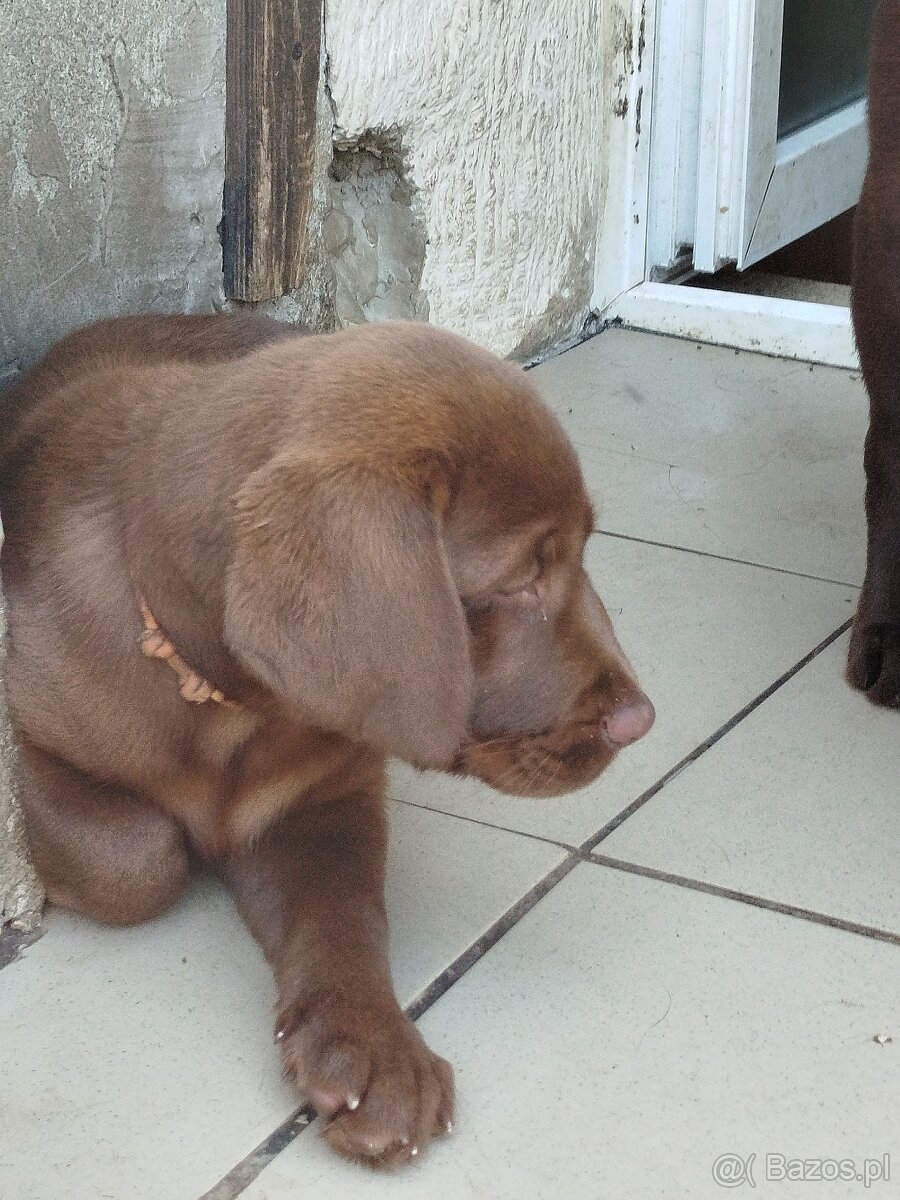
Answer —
(627, 29)
(756, 193)
(753, 170)
(816, 333)
(675, 130)
(728, 47)
(818, 174)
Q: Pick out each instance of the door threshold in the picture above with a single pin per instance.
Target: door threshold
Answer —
(784, 328)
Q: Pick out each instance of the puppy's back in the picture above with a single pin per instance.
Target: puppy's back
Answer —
(28, 406)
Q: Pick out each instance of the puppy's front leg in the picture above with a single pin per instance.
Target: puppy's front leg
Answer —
(312, 892)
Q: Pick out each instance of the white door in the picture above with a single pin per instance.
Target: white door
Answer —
(783, 111)
(759, 131)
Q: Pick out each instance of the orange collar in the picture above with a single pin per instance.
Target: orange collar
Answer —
(154, 644)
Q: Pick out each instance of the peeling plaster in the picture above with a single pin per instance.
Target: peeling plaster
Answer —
(375, 233)
(62, 77)
(111, 145)
(621, 52)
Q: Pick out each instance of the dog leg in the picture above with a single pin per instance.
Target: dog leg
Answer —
(874, 658)
(312, 892)
(99, 850)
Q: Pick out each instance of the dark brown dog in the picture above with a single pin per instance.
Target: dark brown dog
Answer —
(369, 543)
(874, 660)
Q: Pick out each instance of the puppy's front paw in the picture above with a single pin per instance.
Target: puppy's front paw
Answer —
(367, 1071)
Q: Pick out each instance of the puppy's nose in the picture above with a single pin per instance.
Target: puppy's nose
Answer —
(627, 723)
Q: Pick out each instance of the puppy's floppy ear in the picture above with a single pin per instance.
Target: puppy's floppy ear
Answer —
(339, 598)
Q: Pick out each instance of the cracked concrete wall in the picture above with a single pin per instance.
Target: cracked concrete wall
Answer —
(111, 162)
(497, 107)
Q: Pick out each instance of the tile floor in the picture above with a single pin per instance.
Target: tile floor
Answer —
(673, 974)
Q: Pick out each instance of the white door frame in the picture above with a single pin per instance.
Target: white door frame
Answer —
(646, 146)
(628, 33)
(674, 132)
(755, 192)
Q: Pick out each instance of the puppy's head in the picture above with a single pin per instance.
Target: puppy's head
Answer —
(407, 566)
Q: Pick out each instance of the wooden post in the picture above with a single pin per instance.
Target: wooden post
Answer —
(272, 80)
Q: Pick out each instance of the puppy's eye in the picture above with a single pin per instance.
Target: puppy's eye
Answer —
(524, 592)
(523, 587)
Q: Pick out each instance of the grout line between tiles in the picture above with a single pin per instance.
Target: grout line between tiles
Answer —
(444, 812)
(698, 885)
(748, 898)
(513, 915)
(741, 562)
(595, 839)
(239, 1178)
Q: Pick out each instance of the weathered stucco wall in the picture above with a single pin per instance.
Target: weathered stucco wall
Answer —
(483, 116)
(375, 236)
(496, 106)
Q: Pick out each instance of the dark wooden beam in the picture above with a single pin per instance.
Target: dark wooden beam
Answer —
(272, 80)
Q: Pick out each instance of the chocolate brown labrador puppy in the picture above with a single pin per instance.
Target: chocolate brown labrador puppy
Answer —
(874, 660)
(330, 549)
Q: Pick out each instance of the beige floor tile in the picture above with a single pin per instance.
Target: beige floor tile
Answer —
(626, 1034)
(737, 454)
(139, 1063)
(447, 884)
(800, 803)
(135, 1062)
(706, 637)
